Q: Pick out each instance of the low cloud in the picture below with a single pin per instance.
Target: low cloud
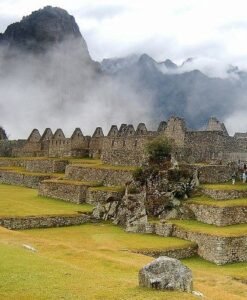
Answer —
(62, 89)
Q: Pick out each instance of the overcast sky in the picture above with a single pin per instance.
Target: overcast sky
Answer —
(174, 29)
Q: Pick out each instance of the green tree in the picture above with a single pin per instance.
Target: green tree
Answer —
(159, 150)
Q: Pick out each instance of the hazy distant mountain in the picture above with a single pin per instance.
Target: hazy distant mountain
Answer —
(48, 74)
(190, 94)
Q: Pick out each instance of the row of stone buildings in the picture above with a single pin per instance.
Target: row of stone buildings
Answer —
(126, 145)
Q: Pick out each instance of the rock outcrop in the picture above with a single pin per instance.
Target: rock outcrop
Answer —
(127, 212)
(166, 273)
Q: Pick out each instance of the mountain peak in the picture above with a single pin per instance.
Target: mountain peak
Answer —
(169, 64)
(42, 29)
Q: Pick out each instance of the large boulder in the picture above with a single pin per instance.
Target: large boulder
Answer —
(166, 273)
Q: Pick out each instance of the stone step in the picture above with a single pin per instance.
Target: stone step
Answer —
(220, 245)
(219, 213)
(48, 221)
(22, 178)
(225, 191)
(68, 190)
(79, 191)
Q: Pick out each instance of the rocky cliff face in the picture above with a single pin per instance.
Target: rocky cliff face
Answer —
(43, 29)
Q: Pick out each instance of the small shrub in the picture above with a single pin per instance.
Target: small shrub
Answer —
(159, 150)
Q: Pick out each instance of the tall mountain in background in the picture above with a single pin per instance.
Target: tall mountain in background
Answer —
(177, 91)
(47, 73)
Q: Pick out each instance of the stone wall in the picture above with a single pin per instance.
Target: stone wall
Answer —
(224, 194)
(21, 179)
(109, 177)
(29, 222)
(46, 165)
(10, 162)
(217, 249)
(68, 191)
(219, 216)
(215, 173)
(173, 253)
(97, 195)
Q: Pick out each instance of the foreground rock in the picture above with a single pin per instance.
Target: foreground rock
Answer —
(166, 273)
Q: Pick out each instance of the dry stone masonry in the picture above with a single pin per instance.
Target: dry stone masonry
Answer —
(125, 145)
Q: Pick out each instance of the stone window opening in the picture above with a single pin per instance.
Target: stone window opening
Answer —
(135, 143)
(112, 143)
(124, 143)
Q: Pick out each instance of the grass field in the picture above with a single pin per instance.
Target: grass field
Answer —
(21, 201)
(93, 262)
(195, 226)
(205, 200)
(239, 186)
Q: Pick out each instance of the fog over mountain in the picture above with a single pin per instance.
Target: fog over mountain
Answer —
(48, 79)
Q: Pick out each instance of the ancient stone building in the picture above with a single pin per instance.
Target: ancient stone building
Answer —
(126, 145)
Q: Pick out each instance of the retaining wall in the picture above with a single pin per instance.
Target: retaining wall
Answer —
(224, 194)
(29, 222)
(46, 166)
(219, 216)
(217, 249)
(95, 196)
(21, 179)
(173, 253)
(109, 177)
(71, 192)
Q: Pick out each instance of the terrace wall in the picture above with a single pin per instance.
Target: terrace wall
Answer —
(21, 179)
(109, 177)
(29, 222)
(219, 216)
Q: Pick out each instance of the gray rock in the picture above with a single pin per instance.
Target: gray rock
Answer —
(166, 273)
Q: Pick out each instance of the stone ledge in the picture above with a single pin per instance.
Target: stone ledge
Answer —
(29, 222)
(178, 253)
(109, 177)
(224, 194)
(219, 216)
(22, 179)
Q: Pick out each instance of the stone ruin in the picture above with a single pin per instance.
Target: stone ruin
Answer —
(126, 145)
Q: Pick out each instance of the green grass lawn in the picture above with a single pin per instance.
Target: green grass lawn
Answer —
(239, 186)
(21, 201)
(195, 226)
(205, 200)
(106, 167)
(93, 262)
(74, 182)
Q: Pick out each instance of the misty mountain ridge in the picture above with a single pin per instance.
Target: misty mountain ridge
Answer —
(46, 53)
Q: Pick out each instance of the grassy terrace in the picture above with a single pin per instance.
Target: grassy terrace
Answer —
(195, 226)
(239, 186)
(23, 171)
(204, 200)
(105, 167)
(74, 182)
(20, 201)
(93, 262)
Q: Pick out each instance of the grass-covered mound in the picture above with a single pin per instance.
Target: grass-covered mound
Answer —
(21, 201)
